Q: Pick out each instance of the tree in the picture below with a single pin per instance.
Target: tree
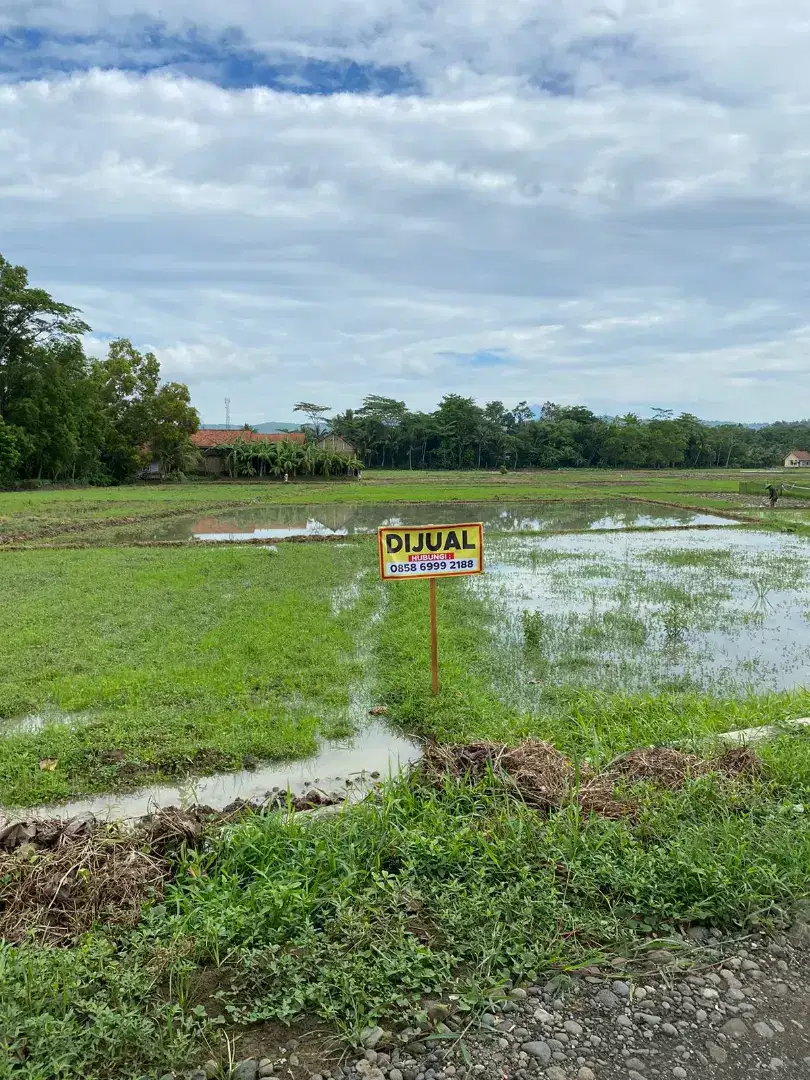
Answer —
(383, 416)
(28, 317)
(173, 421)
(459, 421)
(9, 452)
(318, 420)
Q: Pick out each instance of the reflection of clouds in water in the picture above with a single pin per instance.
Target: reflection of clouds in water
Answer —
(278, 521)
(593, 590)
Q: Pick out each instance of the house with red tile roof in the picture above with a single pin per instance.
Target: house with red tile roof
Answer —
(207, 440)
(797, 459)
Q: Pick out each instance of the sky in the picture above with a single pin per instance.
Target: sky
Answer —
(583, 202)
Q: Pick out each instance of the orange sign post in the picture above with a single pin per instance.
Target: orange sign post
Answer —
(408, 552)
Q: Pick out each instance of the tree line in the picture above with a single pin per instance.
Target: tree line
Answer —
(460, 434)
(67, 417)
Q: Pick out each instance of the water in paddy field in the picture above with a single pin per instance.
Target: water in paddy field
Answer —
(276, 522)
(340, 765)
(718, 611)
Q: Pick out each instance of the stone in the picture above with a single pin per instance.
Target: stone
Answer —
(538, 1050)
(437, 1010)
(709, 993)
(542, 1016)
(371, 1036)
(266, 1070)
(636, 1064)
(749, 965)
(734, 1028)
(650, 1019)
(487, 1020)
(198, 1074)
(701, 1016)
(370, 1055)
(416, 1048)
(246, 1070)
(624, 1021)
(717, 1053)
(777, 1025)
(697, 933)
(586, 1074)
(640, 992)
(660, 957)
(518, 994)
(776, 1063)
(211, 1068)
(621, 989)
(679, 1073)
(782, 990)
(572, 1027)
(554, 1072)
(762, 1029)
(608, 999)
(735, 995)
(669, 1029)
(633, 1075)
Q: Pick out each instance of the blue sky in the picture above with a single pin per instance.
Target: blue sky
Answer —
(598, 202)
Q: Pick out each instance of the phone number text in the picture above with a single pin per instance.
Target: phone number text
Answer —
(432, 567)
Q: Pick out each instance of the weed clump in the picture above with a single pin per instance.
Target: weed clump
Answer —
(544, 778)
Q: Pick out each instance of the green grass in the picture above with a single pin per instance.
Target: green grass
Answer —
(486, 689)
(357, 918)
(185, 659)
(44, 513)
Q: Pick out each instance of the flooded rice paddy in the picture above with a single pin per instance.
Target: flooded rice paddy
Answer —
(717, 611)
(274, 522)
(725, 612)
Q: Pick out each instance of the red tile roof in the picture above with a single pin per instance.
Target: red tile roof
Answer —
(800, 455)
(207, 437)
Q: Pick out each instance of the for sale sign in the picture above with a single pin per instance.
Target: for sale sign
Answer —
(431, 551)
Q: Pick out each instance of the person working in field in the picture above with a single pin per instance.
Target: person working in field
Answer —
(773, 495)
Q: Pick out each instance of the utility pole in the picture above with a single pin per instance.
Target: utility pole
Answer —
(227, 414)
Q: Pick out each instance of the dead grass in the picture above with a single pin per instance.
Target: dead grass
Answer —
(58, 879)
(55, 896)
(546, 779)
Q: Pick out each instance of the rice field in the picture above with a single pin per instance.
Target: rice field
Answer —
(600, 626)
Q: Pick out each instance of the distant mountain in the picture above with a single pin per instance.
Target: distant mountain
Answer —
(739, 423)
(263, 429)
(271, 428)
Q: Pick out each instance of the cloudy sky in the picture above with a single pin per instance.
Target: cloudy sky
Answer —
(579, 201)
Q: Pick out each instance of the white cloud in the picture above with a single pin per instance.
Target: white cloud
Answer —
(639, 240)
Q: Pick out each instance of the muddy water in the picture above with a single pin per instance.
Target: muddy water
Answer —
(277, 522)
(611, 612)
(33, 722)
(343, 765)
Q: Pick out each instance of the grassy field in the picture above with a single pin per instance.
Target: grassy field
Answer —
(71, 514)
(169, 662)
(143, 663)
